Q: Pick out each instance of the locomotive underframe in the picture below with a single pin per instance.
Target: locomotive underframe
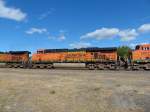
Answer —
(16, 65)
(100, 65)
(91, 65)
(141, 66)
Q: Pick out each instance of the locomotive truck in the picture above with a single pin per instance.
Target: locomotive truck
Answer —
(93, 58)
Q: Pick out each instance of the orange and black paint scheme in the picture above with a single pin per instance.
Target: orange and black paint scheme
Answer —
(141, 57)
(93, 58)
(15, 58)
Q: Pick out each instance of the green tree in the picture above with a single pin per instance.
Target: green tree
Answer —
(124, 52)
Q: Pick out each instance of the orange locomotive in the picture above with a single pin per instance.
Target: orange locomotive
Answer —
(141, 57)
(94, 58)
(15, 58)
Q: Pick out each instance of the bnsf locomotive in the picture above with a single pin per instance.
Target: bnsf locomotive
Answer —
(99, 58)
(141, 57)
(15, 59)
(94, 58)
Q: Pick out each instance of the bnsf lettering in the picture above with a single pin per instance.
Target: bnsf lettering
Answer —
(16, 58)
(75, 55)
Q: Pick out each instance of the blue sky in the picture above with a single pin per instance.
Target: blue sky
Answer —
(36, 24)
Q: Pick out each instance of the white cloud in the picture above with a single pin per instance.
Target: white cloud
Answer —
(11, 13)
(144, 28)
(102, 33)
(108, 33)
(58, 38)
(46, 14)
(36, 30)
(128, 35)
(80, 45)
(61, 38)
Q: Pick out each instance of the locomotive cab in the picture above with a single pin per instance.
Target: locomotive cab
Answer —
(141, 56)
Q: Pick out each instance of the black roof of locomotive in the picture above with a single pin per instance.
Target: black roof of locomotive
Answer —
(16, 52)
(19, 52)
(91, 49)
(96, 49)
(55, 50)
(1, 52)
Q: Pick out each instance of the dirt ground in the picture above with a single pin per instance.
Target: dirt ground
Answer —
(64, 90)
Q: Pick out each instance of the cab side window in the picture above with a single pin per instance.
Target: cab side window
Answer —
(137, 47)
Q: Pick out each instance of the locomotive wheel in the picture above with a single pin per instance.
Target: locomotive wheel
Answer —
(16, 66)
(100, 67)
(35, 66)
(50, 66)
(112, 67)
(147, 67)
(21, 66)
(135, 68)
(117, 68)
(9, 66)
(129, 68)
(91, 66)
(41, 66)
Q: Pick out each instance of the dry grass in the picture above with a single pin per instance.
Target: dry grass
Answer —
(74, 91)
